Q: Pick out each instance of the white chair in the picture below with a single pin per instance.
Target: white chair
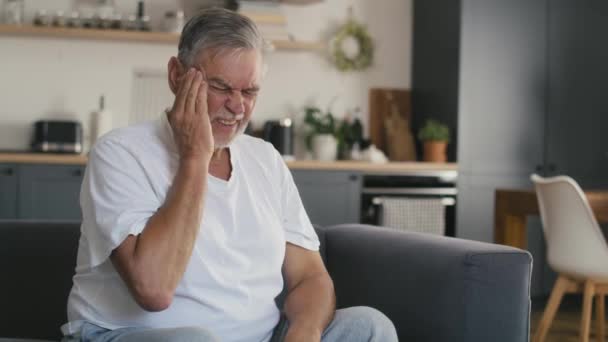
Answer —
(576, 250)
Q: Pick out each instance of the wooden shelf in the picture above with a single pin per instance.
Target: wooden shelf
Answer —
(127, 36)
(298, 45)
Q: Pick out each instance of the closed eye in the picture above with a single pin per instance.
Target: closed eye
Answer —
(250, 92)
(220, 88)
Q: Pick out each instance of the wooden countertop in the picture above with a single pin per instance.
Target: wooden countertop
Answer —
(388, 168)
(43, 158)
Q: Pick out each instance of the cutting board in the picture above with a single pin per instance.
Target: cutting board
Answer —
(380, 109)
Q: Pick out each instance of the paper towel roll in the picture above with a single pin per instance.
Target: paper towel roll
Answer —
(102, 120)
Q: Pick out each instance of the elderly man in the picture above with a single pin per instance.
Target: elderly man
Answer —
(189, 226)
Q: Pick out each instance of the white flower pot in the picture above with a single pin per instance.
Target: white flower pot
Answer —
(324, 147)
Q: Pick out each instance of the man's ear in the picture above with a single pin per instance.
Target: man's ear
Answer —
(175, 70)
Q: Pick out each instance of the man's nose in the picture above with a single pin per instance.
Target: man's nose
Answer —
(235, 102)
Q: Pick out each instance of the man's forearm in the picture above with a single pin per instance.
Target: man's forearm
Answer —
(310, 307)
(159, 255)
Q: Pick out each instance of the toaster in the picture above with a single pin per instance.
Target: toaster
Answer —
(57, 136)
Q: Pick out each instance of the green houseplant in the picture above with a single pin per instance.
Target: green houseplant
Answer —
(435, 137)
(321, 135)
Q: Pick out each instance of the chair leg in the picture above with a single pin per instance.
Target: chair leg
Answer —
(600, 313)
(587, 304)
(552, 305)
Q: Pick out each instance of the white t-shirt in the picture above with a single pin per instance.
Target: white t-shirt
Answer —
(234, 273)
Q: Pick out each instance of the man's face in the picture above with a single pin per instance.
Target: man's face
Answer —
(233, 88)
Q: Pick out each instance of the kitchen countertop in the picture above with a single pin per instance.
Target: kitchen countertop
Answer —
(369, 168)
(43, 158)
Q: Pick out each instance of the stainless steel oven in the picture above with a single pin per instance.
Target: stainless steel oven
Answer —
(436, 184)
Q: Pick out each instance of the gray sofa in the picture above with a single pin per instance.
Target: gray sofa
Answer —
(433, 288)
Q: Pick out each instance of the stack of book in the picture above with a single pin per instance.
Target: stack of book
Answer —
(268, 16)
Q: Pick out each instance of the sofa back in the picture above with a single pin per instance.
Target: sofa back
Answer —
(37, 262)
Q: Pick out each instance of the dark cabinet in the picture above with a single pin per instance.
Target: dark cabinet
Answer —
(577, 113)
(49, 192)
(330, 197)
(8, 191)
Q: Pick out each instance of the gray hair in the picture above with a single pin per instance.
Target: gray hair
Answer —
(217, 30)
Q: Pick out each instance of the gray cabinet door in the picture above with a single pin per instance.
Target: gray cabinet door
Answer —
(503, 74)
(8, 191)
(50, 192)
(502, 110)
(330, 197)
(577, 126)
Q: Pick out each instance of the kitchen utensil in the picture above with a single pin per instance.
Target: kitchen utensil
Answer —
(280, 134)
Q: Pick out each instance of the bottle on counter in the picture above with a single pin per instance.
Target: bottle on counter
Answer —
(143, 20)
(42, 18)
(59, 20)
(173, 21)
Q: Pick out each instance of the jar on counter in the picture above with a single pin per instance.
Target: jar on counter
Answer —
(59, 20)
(42, 18)
(131, 23)
(73, 20)
(117, 22)
(12, 12)
(173, 21)
(90, 21)
(143, 23)
(105, 21)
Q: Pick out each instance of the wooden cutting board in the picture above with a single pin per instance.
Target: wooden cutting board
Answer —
(380, 108)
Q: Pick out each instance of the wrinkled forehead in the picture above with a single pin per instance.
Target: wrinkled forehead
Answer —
(233, 66)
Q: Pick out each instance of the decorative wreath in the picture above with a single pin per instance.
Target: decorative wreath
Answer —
(353, 48)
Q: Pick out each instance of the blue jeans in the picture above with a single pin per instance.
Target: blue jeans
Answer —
(355, 324)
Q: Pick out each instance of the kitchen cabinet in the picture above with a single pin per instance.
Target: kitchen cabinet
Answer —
(8, 191)
(49, 192)
(577, 113)
(330, 197)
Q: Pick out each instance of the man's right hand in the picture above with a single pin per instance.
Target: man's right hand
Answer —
(189, 118)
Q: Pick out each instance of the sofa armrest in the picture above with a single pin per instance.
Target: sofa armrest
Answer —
(432, 288)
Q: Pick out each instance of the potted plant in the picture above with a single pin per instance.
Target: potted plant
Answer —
(321, 137)
(435, 137)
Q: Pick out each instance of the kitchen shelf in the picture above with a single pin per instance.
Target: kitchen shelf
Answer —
(130, 36)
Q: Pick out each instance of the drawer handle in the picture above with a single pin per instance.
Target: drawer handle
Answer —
(77, 173)
(8, 172)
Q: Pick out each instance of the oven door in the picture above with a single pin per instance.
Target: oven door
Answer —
(415, 209)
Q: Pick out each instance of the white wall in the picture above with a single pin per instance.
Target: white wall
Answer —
(57, 78)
